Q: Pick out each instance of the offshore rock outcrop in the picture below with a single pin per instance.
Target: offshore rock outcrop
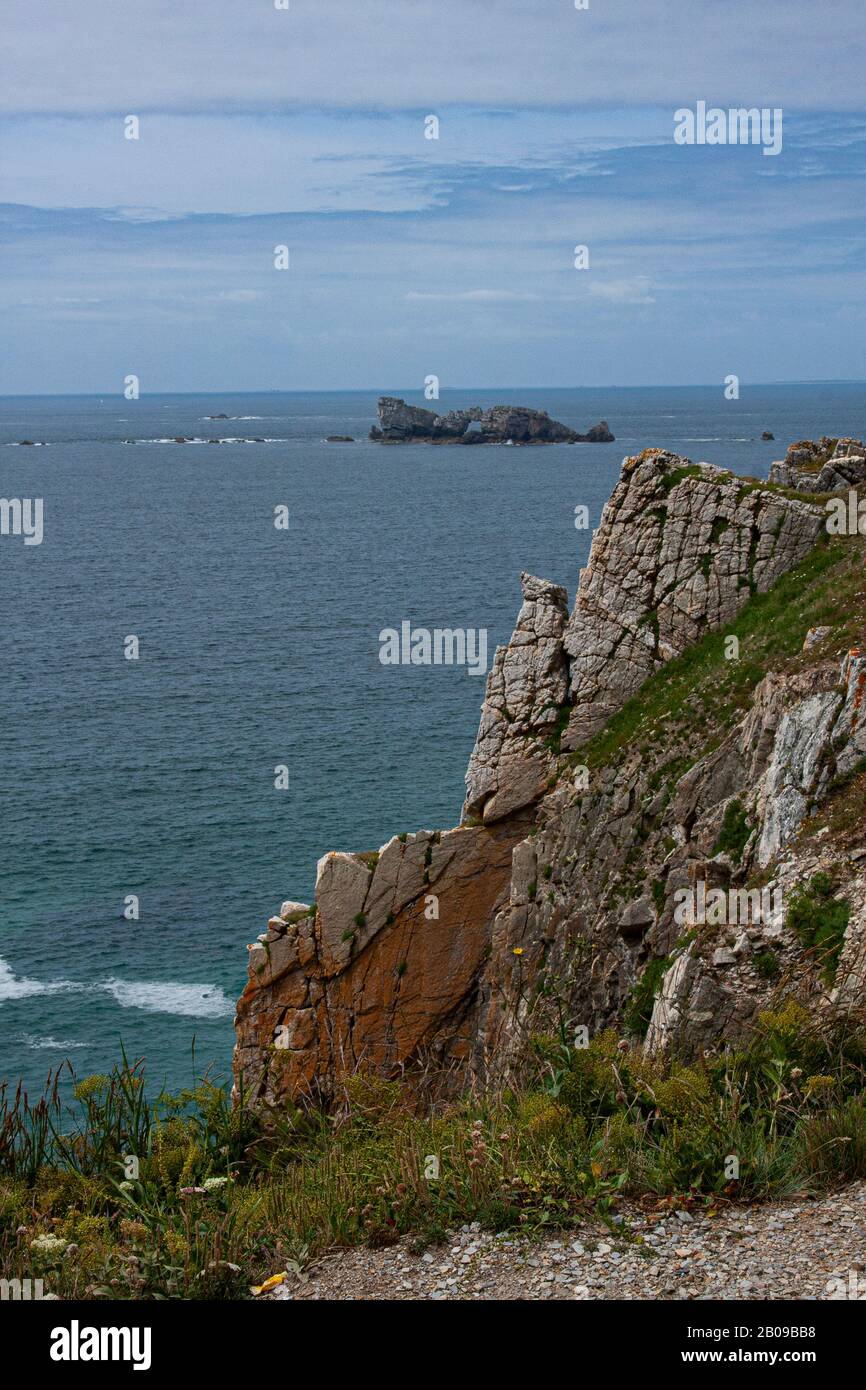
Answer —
(436, 957)
(400, 423)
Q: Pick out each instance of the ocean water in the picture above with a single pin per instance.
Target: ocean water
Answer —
(259, 647)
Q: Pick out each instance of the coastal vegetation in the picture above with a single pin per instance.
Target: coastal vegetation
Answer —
(105, 1193)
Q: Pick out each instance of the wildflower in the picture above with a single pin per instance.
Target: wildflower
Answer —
(796, 1073)
(126, 1185)
(214, 1184)
(89, 1087)
(191, 1191)
(133, 1230)
(622, 1045)
(48, 1245)
(517, 950)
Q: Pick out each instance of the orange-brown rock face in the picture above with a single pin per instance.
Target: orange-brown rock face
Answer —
(384, 977)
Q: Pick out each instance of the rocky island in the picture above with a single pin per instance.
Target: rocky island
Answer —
(400, 423)
(693, 725)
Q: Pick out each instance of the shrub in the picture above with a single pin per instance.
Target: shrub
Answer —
(638, 1009)
(734, 832)
(766, 964)
(833, 1145)
(819, 921)
(543, 1117)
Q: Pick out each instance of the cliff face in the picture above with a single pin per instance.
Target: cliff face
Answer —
(384, 976)
(679, 550)
(589, 813)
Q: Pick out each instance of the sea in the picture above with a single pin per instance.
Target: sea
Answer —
(160, 797)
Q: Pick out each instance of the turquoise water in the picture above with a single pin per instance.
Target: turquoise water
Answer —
(259, 647)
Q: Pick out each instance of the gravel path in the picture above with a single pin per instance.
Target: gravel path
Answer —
(795, 1249)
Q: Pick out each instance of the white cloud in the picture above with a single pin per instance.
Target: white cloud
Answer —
(636, 291)
(241, 296)
(473, 296)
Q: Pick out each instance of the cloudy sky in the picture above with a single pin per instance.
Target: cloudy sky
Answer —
(305, 127)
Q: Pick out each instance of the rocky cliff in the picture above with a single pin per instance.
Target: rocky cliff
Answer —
(690, 733)
(400, 423)
(822, 466)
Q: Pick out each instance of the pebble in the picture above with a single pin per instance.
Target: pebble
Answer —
(806, 1249)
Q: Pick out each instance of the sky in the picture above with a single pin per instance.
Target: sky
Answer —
(304, 127)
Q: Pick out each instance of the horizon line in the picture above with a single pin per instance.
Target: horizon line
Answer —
(414, 390)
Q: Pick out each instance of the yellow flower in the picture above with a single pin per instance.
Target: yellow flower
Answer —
(518, 950)
(271, 1283)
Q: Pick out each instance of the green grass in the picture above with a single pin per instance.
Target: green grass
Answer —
(670, 479)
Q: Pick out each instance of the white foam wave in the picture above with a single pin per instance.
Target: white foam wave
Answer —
(233, 439)
(170, 997)
(34, 1040)
(20, 987)
(160, 997)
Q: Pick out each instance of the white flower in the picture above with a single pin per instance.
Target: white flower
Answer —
(214, 1184)
(126, 1186)
(48, 1245)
